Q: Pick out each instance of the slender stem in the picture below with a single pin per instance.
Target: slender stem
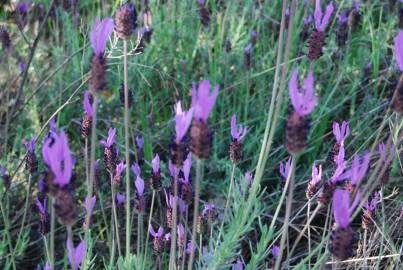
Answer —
(7, 232)
(113, 245)
(290, 179)
(52, 232)
(226, 204)
(148, 227)
(139, 232)
(364, 249)
(91, 179)
(172, 255)
(45, 243)
(101, 203)
(127, 153)
(71, 244)
(184, 248)
(115, 216)
(309, 236)
(24, 216)
(195, 212)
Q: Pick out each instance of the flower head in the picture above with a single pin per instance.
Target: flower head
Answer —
(208, 207)
(341, 165)
(341, 133)
(140, 142)
(56, 154)
(187, 164)
(23, 7)
(172, 170)
(304, 99)
(182, 121)
(41, 206)
(87, 104)
(89, 204)
(100, 32)
(399, 50)
(320, 20)
(249, 178)
(169, 199)
(285, 168)
(120, 198)
(120, 168)
(189, 247)
(316, 175)
(156, 163)
(157, 234)
(372, 205)
(275, 251)
(203, 100)
(307, 20)
(139, 183)
(181, 232)
(238, 265)
(383, 153)
(78, 253)
(358, 168)
(136, 169)
(236, 134)
(30, 146)
(342, 209)
(111, 138)
(342, 18)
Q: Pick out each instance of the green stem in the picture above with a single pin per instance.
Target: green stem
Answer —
(148, 227)
(45, 243)
(52, 232)
(226, 204)
(24, 216)
(290, 179)
(172, 255)
(115, 216)
(196, 211)
(127, 149)
(72, 251)
(7, 232)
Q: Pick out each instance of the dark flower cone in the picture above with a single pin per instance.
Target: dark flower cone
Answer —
(158, 245)
(212, 216)
(235, 151)
(326, 194)
(86, 123)
(122, 95)
(65, 209)
(311, 190)
(316, 43)
(349, 187)
(187, 193)
(44, 223)
(366, 221)
(401, 17)
(50, 188)
(342, 243)
(5, 38)
(155, 181)
(125, 21)
(140, 156)
(341, 34)
(201, 139)
(354, 19)
(169, 218)
(110, 158)
(398, 102)
(179, 152)
(141, 205)
(98, 80)
(247, 60)
(204, 14)
(200, 224)
(31, 163)
(296, 132)
(116, 180)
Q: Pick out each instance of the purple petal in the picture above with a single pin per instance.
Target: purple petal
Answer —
(234, 131)
(89, 204)
(100, 33)
(294, 91)
(249, 178)
(156, 163)
(152, 232)
(160, 232)
(41, 207)
(181, 231)
(399, 50)
(316, 175)
(239, 265)
(120, 198)
(187, 164)
(111, 137)
(203, 100)
(120, 168)
(87, 104)
(140, 142)
(275, 251)
(136, 169)
(326, 18)
(139, 186)
(341, 203)
(183, 119)
(318, 14)
(80, 253)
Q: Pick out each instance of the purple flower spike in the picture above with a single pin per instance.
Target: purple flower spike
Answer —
(120, 198)
(304, 99)
(321, 23)
(316, 175)
(90, 203)
(207, 207)
(341, 207)
(275, 251)
(342, 18)
(56, 154)
(41, 206)
(182, 121)
(356, 5)
(236, 134)
(187, 164)
(47, 267)
(307, 20)
(100, 32)
(189, 247)
(78, 253)
(23, 7)
(372, 205)
(111, 138)
(399, 50)
(181, 231)
(120, 168)
(341, 133)
(341, 166)
(182, 206)
(239, 265)
(249, 178)
(156, 163)
(171, 169)
(136, 169)
(156, 234)
(203, 100)
(139, 186)
(285, 168)
(140, 141)
(169, 199)
(30, 146)
(87, 104)
(359, 169)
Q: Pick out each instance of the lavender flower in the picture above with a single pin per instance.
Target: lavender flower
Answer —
(358, 169)
(120, 168)
(181, 235)
(78, 253)
(341, 165)
(139, 149)
(139, 141)
(285, 168)
(275, 250)
(203, 100)
(341, 133)
(399, 50)
(316, 175)
(249, 178)
(237, 134)
(23, 7)
(189, 247)
(372, 205)
(111, 138)
(139, 183)
(120, 198)
(87, 105)
(320, 20)
(187, 164)
(41, 206)
(247, 52)
(182, 121)
(89, 204)
(157, 234)
(156, 164)
(238, 265)
(100, 32)
(86, 122)
(56, 154)
(303, 99)
(369, 210)
(342, 209)
(30, 146)
(30, 159)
